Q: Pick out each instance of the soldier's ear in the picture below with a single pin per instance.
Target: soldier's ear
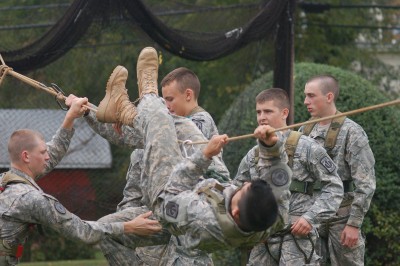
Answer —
(330, 97)
(235, 214)
(25, 156)
(285, 113)
(189, 94)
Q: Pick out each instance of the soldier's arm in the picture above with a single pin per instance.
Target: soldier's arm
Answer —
(59, 144)
(187, 173)
(243, 173)
(129, 136)
(361, 161)
(46, 210)
(273, 168)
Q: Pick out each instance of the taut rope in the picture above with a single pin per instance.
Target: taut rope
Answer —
(5, 70)
(357, 111)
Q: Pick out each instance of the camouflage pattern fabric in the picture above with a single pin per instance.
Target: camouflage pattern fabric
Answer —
(355, 161)
(204, 122)
(311, 163)
(171, 176)
(22, 205)
(132, 192)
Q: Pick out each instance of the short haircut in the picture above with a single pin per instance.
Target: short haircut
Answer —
(327, 83)
(185, 78)
(22, 140)
(258, 209)
(279, 96)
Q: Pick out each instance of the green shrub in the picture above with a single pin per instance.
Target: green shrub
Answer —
(381, 225)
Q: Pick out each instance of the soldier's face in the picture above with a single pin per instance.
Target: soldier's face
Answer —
(176, 101)
(315, 100)
(37, 158)
(269, 114)
(235, 201)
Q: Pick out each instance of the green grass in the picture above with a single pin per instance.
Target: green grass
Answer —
(98, 261)
(102, 262)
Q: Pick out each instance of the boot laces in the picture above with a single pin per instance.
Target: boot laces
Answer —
(148, 79)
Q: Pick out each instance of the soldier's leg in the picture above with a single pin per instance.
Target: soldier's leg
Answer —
(266, 253)
(120, 250)
(298, 250)
(322, 248)
(341, 255)
(161, 151)
(132, 191)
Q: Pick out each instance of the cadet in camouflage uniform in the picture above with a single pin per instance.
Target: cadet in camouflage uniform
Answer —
(310, 164)
(340, 236)
(181, 90)
(23, 204)
(203, 217)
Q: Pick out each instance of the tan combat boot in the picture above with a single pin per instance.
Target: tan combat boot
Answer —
(147, 71)
(116, 107)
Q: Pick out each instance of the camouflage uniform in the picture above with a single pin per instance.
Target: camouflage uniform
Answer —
(203, 121)
(311, 163)
(355, 162)
(171, 178)
(23, 205)
(132, 192)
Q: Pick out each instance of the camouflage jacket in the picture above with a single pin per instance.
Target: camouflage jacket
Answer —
(311, 163)
(194, 218)
(203, 121)
(23, 205)
(355, 160)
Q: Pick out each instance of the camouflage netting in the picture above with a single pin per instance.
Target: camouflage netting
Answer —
(194, 45)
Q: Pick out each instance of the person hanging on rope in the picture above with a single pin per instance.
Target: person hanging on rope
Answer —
(178, 83)
(23, 204)
(346, 142)
(311, 165)
(208, 215)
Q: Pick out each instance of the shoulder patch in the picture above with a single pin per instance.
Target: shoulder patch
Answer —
(329, 165)
(279, 177)
(60, 208)
(172, 209)
(199, 123)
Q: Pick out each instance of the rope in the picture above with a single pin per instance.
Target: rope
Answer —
(5, 70)
(357, 111)
(306, 259)
(281, 235)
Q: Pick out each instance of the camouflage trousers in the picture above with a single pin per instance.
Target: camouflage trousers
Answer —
(286, 250)
(330, 248)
